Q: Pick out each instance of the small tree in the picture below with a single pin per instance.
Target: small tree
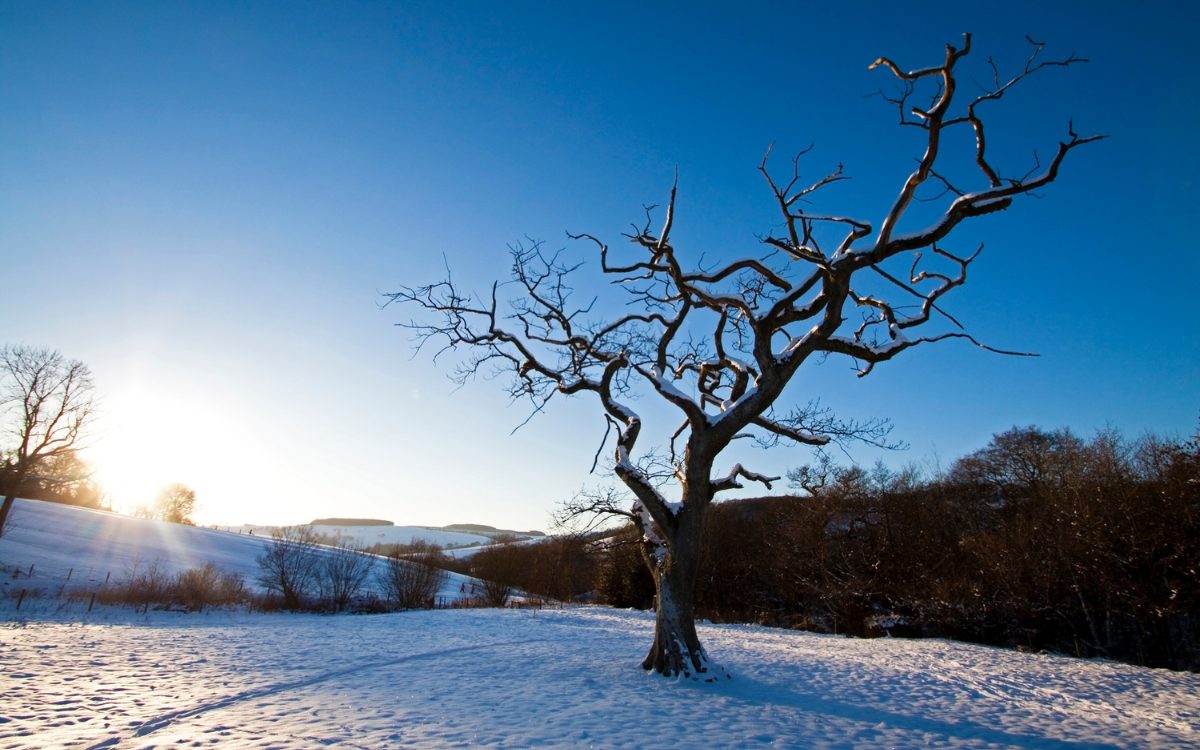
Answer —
(290, 565)
(494, 593)
(721, 341)
(411, 580)
(175, 503)
(343, 572)
(46, 401)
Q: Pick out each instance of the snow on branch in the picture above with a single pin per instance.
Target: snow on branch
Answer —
(730, 480)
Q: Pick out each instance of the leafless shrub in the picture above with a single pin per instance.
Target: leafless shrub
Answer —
(495, 593)
(343, 573)
(290, 566)
(412, 582)
(196, 588)
(142, 585)
(208, 586)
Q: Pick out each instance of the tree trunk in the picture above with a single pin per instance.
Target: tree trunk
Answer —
(7, 506)
(676, 651)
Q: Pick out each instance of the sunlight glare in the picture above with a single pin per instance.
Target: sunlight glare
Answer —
(152, 438)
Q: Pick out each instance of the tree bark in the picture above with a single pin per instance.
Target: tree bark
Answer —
(676, 649)
(4, 509)
(10, 495)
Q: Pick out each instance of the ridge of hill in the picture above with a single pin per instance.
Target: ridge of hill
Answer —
(481, 528)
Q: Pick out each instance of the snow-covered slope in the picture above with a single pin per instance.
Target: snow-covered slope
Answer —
(114, 678)
(366, 536)
(77, 547)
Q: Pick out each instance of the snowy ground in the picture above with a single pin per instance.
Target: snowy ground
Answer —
(457, 678)
(550, 678)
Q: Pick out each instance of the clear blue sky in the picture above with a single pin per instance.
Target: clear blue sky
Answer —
(203, 202)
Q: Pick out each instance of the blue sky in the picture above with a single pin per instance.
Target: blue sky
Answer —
(204, 202)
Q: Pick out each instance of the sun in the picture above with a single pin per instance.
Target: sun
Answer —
(150, 438)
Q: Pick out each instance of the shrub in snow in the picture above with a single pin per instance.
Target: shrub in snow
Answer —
(209, 586)
(142, 585)
(494, 593)
(290, 565)
(412, 582)
(196, 588)
(343, 571)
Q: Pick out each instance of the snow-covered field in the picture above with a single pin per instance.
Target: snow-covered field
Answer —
(55, 547)
(550, 678)
(366, 536)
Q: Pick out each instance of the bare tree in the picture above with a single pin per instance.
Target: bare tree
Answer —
(494, 592)
(175, 503)
(46, 401)
(411, 580)
(721, 341)
(290, 565)
(343, 572)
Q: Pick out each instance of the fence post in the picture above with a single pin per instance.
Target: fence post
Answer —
(20, 598)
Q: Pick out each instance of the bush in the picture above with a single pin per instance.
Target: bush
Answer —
(194, 589)
(142, 585)
(290, 565)
(209, 586)
(343, 571)
(494, 593)
(412, 581)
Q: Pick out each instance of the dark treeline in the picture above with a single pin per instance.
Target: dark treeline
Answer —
(562, 567)
(1041, 540)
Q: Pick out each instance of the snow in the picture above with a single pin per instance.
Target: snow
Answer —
(728, 405)
(89, 545)
(366, 536)
(81, 548)
(666, 387)
(528, 678)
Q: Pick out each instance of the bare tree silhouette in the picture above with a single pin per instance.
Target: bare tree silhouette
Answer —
(721, 342)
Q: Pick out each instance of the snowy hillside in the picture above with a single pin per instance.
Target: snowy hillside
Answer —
(367, 536)
(115, 678)
(77, 547)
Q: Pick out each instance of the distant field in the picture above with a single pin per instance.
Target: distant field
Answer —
(366, 536)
